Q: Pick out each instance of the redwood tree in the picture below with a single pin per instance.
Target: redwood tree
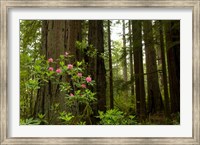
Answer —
(154, 95)
(138, 67)
(74, 34)
(173, 59)
(110, 67)
(131, 58)
(58, 37)
(124, 64)
(97, 66)
(164, 71)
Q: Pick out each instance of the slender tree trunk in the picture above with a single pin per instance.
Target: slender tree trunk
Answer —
(166, 96)
(97, 65)
(124, 53)
(131, 60)
(110, 67)
(154, 95)
(138, 65)
(173, 58)
(156, 36)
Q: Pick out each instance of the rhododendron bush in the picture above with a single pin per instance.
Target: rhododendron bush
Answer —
(75, 84)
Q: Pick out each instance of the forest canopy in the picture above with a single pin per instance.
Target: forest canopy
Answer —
(99, 72)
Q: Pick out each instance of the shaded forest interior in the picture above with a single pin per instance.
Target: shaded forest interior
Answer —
(99, 72)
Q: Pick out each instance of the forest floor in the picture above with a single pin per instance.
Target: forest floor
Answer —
(160, 119)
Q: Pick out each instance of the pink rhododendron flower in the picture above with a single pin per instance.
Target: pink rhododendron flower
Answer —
(71, 94)
(88, 79)
(66, 54)
(83, 85)
(70, 66)
(50, 68)
(58, 70)
(50, 60)
(80, 74)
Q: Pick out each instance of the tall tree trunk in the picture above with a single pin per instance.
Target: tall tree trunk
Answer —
(55, 35)
(97, 66)
(173, 59)
(154, 95)
(166, 96)
(124, 52)
(157, 43)
(110, 67)
(131, 59)
(74, 35)
(138, 67)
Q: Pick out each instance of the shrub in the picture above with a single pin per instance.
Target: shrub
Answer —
(116, 117)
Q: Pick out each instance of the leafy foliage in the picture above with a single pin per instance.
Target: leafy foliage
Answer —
(66, 117)
(77, 88)
(30, 121)
(116, 117)
(30, 35)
